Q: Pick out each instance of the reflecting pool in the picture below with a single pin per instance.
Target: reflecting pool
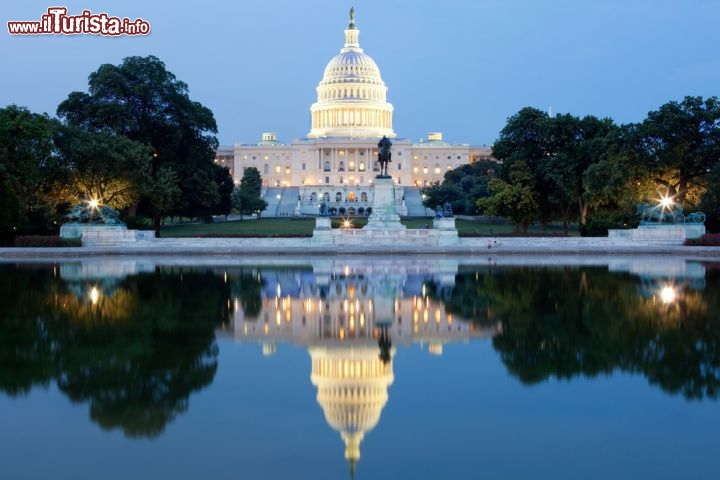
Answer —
(378, 368)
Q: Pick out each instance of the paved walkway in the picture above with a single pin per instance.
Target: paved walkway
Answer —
(305, 246)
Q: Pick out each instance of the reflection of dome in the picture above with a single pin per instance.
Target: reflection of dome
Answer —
(352, 387)
(351, 97)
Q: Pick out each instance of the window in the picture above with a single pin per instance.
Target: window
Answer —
(266, 168)
(363, 197)
(287, 170)
(399, 166)
(277, 169)
(326, 166)
(338, 196)
(304, 166)
(341, 167)
(361, 166)
(327, 179)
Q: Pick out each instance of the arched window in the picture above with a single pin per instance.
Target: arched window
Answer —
(363, 197)
(313, 197)
(326, 196)
(338, 197)
(266, 168)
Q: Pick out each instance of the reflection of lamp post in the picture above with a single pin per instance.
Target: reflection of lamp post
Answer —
(94, 295)
(668, 294)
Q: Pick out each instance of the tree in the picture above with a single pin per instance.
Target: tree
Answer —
(141, 100)
(710, 204)
(526, 139)
(246, 196)
(515, 199)
(462, 187)
(438, 194)
(28, 172)
(680, 143)
(103, 166)
(575, 145)
(223, 179)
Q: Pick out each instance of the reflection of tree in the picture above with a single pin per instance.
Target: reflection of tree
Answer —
(247, 287)
(25, 349)
(586, 321)
(135, 356)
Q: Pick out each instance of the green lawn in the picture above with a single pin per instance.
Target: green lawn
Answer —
(279, 227)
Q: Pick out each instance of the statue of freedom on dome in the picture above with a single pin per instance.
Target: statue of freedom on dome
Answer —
(384, 156)
(352, 17)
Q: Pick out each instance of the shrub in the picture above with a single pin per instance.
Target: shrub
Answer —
(598, 225)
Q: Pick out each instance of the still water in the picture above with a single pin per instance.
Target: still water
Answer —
(374, 368)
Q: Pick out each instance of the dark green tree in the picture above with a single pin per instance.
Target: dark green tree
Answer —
(710, 204)
(462, 187)
(680, 143)
(224, 181)
(141, 100)
(103, 166)
(439, 193)
(515, 199)
(29, 173)
(526, 139)
(246, 196)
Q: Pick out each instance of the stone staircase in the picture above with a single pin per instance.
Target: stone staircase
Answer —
(281, 201)
(413, 202)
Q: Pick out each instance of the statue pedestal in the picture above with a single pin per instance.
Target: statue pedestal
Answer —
(322, 223)
(384, 210)
(445, 230)
(444, 223)
(323, 231)
(97, 235)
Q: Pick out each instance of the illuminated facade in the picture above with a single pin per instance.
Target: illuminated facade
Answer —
(349, 117)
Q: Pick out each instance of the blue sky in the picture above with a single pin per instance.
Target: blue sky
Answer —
(459, 67)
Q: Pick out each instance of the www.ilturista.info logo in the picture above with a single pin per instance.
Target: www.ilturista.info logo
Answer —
(57, 22)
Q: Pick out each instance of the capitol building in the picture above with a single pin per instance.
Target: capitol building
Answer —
(337, 159)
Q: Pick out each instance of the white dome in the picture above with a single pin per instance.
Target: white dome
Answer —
(351, 97)
(352, 67)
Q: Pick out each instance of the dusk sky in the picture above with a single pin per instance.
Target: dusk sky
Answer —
(458, 67)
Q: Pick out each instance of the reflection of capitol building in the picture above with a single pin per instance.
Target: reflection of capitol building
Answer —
(352, 388)
(337, 158)
(352, 318)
